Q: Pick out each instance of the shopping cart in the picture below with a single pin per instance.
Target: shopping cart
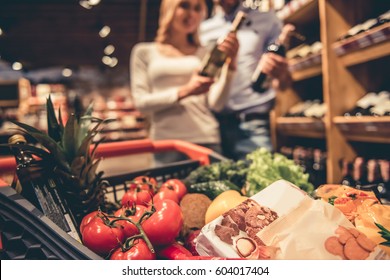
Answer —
(25, 233)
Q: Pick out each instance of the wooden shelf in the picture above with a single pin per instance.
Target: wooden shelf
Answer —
(299, 75)
(342, 86)
(365, 55)
(364, 47)
(364, 129)
(300, 127)
(305, 14)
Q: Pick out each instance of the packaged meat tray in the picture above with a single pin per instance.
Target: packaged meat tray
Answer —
(282, 222)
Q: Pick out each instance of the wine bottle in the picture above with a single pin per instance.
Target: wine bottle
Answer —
(384, 185)
(382, 106)
(298, 109)
(358, 28)
(360, 172)
(363, 105)
(41, 188)
(215, 59)
(260, 83)
(382, 19)
(347, 173)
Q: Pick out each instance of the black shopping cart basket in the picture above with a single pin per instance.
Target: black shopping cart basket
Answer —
(25, 233)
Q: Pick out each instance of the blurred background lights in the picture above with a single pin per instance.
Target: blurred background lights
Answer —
(85, 4)
(1, 31)
(17, 66)
(93, 2)
(104, 31)
(67, 72)
(109, 49)
(106, 60)
(88, 4)
(114, 62)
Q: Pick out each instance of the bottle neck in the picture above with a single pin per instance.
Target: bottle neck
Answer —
(23, 158)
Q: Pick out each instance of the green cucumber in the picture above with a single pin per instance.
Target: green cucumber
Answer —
(213, 188)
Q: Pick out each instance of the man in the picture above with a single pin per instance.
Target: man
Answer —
(244, 122)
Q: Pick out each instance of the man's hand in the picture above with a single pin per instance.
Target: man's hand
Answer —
(276, 67)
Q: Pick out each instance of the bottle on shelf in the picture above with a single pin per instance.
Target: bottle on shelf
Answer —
(354, 30)
(317, 110)
(382, 106)
(319, 167)
(360, 172)
(382, 19)
(41, 188)
(363, 105)
(216, 58)
(260, 82)
(347, 173)
(384, 185)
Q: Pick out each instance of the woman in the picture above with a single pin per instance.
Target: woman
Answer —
(165, 84)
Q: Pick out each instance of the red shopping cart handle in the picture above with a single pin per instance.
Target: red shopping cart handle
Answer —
(130, 147)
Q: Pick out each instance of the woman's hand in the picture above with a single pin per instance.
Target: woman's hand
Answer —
(230, 46)
(197, 85)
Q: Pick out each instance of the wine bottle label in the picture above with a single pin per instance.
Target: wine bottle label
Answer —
(212, 62)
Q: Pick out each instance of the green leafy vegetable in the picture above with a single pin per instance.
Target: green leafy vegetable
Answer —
(385, 233)
(234, 172)
(266, 168)
(332, 199)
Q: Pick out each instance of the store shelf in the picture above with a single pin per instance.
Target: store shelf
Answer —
(364, 129)
(301, 127)
(371, 53)
(364, 47)
(302, 74)
(304, 14)
(306, 67)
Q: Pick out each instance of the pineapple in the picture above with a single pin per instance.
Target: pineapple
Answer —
(66, 149)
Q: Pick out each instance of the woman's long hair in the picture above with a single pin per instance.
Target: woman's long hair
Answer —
(167, 12)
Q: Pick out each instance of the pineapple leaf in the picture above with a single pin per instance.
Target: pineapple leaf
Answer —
(89, 110)
(47, 142)
(83, 149)
(93, 152)
(92, 171)
(60, 121)
(68, 138)
(53, 126)
(77, 165)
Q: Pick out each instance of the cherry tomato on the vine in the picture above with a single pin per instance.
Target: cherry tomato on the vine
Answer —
(163, 226)
(165, 194)
(133, 214)
(139, 251)
(86, 219)
(102, 238)
(140, 192)
(175, 184)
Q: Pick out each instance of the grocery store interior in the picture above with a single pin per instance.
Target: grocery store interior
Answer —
(330, 123)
